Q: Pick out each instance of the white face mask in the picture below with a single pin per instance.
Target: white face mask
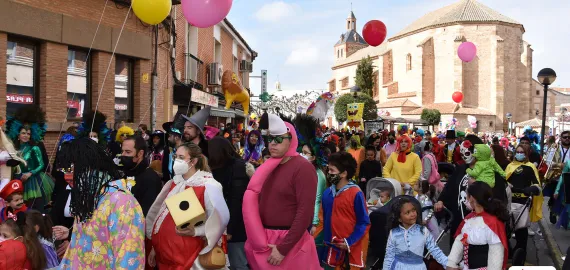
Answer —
(180, 167)
(468, 206)
(305, 156)
(2, 239)
(95, 139)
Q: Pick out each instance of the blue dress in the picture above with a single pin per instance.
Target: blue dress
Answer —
(405, 249)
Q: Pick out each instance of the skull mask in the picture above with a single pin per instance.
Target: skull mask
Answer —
(466, 153)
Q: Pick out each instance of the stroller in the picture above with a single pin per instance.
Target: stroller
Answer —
(379, 230)
(377, 184)
(519, 255)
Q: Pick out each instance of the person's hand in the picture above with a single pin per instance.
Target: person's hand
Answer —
(62, 248)
(229, 237)
(438, 206)
(313, 230)
(60, 232)
(363, 180)
(25, 176)
(152, 258)
(556, 196)
(188, 231)
(342, 245)
(275, 258)
(451, 268)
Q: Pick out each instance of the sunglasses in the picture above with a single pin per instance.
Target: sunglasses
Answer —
(565, 137)
(277, 139)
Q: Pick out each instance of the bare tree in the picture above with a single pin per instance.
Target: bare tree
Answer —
(288, 105)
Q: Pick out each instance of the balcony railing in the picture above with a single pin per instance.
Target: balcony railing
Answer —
(195, 71)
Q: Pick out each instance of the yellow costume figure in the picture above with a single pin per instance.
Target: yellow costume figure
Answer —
(234, 91)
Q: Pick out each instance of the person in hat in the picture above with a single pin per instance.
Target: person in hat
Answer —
(173, 142)
(285, 184)
(12, 193)
(452, 151)
(194, 129)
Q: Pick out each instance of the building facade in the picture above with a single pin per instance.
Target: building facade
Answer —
(49, 61)
(202, 55)
(419, 68)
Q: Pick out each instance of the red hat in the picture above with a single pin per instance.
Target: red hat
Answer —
(11, 188)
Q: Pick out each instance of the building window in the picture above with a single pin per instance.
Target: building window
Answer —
(123, 89)
(538, 92)
(78, 84)
(236, 65)
(341, 52)
(21, 77)
(344, 83)
(408, 62)
(218, 52)
(332, 86)
(338, 54)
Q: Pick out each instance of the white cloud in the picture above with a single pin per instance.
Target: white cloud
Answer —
(303, 56)
(276, 11)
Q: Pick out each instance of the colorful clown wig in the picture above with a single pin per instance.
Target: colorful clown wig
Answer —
(402, 129)
(124, 130)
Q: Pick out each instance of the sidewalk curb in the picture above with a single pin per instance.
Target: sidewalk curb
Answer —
(551, 243)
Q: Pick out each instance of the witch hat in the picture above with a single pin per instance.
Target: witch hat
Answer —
(199, 119)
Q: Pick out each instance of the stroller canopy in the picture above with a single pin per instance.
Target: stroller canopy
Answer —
(379, 183)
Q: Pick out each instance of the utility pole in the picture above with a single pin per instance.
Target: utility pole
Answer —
(154, 88)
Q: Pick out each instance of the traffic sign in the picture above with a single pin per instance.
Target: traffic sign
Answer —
(263, 81)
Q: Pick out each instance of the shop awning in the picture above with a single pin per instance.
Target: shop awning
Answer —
(221, 112)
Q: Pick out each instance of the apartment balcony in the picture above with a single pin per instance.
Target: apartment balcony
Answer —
(195, 73)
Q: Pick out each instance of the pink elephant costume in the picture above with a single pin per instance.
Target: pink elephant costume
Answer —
(292, 241)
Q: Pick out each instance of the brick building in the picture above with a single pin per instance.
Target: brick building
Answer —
(202, 55)
(46, 63)
(419, 68)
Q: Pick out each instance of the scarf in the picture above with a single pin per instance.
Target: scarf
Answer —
(402, 154)
(256, 236)
(536, 209)
(158, 211)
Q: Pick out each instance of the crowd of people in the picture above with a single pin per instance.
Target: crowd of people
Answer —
(271, 193)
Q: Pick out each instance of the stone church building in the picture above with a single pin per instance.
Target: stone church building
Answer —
(419, 68)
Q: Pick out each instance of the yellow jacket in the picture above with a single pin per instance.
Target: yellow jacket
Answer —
(407, 172)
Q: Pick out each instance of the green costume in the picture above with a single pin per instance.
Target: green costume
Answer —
(486, 166)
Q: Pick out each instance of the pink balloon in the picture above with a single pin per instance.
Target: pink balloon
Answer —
(467, 51)
(205, 13)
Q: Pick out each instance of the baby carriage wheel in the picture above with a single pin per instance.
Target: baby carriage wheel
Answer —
(519, 257)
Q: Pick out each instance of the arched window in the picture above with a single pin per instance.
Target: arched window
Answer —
(341, 52)
(338, 54)
(408, 62)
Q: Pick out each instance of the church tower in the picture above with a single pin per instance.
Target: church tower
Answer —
(350, 41)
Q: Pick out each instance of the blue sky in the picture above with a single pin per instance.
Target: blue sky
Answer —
(295, 39)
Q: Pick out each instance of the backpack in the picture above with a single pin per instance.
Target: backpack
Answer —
(434, 177)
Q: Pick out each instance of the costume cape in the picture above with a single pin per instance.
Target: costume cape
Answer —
(536, 209)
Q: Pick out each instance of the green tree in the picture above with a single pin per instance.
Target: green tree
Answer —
(432, 117)
(364, 75)
(370, 110)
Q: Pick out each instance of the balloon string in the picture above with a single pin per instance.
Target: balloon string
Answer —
(73, 96)
(110, 62)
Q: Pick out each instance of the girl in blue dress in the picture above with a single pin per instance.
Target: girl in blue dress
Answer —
(408, 238)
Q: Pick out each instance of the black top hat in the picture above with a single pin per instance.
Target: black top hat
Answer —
(450, 134)
(170, 129)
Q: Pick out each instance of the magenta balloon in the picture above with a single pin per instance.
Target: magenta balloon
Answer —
(205, 13)
(467, 51)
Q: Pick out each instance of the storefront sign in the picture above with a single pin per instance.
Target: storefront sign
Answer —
(20, 99)
(204, 98)
(121, 107)
(145, 78)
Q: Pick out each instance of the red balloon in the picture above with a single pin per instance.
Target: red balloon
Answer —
(374, 32)
(457, 97)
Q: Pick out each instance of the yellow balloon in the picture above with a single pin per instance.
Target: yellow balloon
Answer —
(152, 11)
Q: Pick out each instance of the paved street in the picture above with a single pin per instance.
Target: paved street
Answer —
(561, 236)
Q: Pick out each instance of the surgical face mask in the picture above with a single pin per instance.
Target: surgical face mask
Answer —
(95, 139)
(2, 239)
(180, 167)
(127, 162)
(520, 156)
(305, 156)
(334, 179)
(391, 140)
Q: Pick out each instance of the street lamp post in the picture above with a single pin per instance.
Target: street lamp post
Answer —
(546, 77)
(509, 116)
(355, 90)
